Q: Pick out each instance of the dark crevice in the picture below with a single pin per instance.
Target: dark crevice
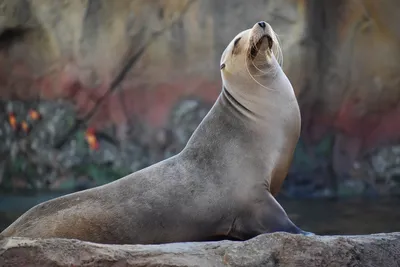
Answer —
(11, 35)
(323, 19)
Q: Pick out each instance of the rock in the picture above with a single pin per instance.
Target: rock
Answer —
(185, 117)
(279, 249)
(77, 48)
(379, 169)
(160, 51)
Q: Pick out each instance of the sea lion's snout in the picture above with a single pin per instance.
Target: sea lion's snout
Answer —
(262, 24)
(262, 27)
(261, 38)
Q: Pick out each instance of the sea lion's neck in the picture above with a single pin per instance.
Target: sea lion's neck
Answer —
(258, 102)
(246, 107)
(225, 142)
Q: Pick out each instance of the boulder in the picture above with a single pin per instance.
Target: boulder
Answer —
(278, 249)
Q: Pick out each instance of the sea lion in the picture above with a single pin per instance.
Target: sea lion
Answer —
(220, 186)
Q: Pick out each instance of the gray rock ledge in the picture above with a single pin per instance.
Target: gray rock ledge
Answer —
(278, 249)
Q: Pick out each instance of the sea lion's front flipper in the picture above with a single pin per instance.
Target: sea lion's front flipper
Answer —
(265, 215)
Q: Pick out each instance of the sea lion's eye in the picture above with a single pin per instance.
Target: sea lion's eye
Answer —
(236, 41)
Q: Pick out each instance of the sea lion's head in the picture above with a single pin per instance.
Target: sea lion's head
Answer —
(250, 57)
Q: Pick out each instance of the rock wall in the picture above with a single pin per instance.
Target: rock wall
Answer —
(128, 68)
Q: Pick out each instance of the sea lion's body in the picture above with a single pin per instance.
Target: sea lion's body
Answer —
(218, 186)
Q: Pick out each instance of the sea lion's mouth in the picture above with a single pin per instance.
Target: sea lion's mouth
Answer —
(255, 49)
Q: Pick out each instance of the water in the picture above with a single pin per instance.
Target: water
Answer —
(321, 216)
(349, 216)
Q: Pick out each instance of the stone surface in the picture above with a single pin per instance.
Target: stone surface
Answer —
(342, 58)
(266, 250)
(379, 170)
(36, 163)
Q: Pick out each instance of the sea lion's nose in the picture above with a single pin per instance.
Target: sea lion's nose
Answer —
(262, 24)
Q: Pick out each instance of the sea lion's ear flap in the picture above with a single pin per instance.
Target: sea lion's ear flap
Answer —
(270, 41)
(222, 66)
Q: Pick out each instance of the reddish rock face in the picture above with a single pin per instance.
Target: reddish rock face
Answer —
(341, 56)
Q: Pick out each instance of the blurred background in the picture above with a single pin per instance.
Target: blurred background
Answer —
(92, 90)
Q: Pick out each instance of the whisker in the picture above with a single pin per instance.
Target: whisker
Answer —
(278, 49)
(248, 71)
(261, 65)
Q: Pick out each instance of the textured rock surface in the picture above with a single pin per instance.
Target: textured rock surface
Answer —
(265, 250)
(59, 48)
(341, 56)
